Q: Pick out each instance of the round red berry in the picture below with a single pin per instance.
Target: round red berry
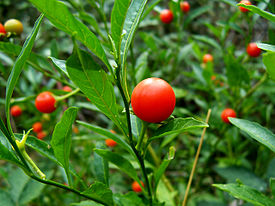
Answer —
(253, 50)
(207, 58)
(16, 111)
(228, 112)
(166, 16)
(245, 2)
(153, 100)
(41, 135)
(2, 30)
(67, 89)
(136, 187)
(37, 127)
(110, 143)
(45, 102)
(184, 6)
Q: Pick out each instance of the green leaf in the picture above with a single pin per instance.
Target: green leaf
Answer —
(195, 13)
(178, 125)
(272, 186)
(60, 16)
(7, 155)
(266, 47)
(94, 83)
(246, 193)
(269, 62)
(256, 10)
(101, 166)
(90, 19)
(208, 40)
(60, 65)
(256, 131)
(61, 138)
(117, 20)
(5, 198)
(100, 192)
(108, 134)
(128, 199)
(18, 67)
(86, 203)
(120, 162)
(150, 7)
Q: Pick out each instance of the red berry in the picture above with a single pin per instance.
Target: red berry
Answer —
(37, 127)
(45, 102)
(184, 6)
(166, 16)
(228, 112)
(67, 89)
(16, 111)
(2, 30)
(207, 58)
(110, 142)
(253, 50)
(245, 2)
(136, 187)
(41, 135)
(153, 100)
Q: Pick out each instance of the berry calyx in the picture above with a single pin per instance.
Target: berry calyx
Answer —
(184, 6)
(37, 127)
(153, 100)
(41, 135)
(253, 50)
(14, 26)
(16, 111)
(136, 187)
(45, 102)
(67, 89)
(110, 143)
(207, 58)
(245, 2)
(228, 112)
(166, 16)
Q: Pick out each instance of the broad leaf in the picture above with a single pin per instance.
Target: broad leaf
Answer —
(256, 131)
(246, 193)
(178, 125)
(100, 166)
(18, 67)
(61, 138)
(264, 14)
(101, 192)
(5, 198)
(58, 13)
(94, 83)
(269, 62)
(119, 161)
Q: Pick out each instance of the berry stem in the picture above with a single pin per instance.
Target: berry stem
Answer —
(141, 138)
(196, 160)
(67, 95)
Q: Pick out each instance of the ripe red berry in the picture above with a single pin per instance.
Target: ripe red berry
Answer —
(253, 50)
(37, 127)
(136, 187)
(228, 112)
(153, 100)
(245, 2)
(41, 135)
(45, 102)
(110, 143)
(67, 89)
(207, 58)
(16, 111)
(14, 26)
(166, 16)
(184, 6)
(2, 30)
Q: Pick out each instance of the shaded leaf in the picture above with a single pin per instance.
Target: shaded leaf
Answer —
(128, 199)
(269, 62)
(60, 65)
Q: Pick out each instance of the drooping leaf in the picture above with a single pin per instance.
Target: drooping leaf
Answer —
(18, 67)
(100, 192)
(269, 62)
(58, 13)
(94, 83)
(256, 10)
(246, 193)
(256, 131)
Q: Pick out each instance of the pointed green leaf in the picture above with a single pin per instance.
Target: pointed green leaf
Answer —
(269, 62)
(58, 13)
(7, 155)
(266, 47)
(119, 161)
(100, 192)
(256, 131)
(94, 83)
(117, 20)
(101, 166)
(18, 67)
(60, 65)
(262, 13)
(246, 193)
(178, 125)
(61, 138)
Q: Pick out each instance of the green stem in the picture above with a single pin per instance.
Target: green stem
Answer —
(34, 166)
(60, 98)
(143, 131)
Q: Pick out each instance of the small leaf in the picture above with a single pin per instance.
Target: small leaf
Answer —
(100, 191)
(266, 47)
(269, 62)
(60, 65)
(61, 138)
(256, 10)
(256, 131)
(246, 193)
(120, 162)
(178, 125)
